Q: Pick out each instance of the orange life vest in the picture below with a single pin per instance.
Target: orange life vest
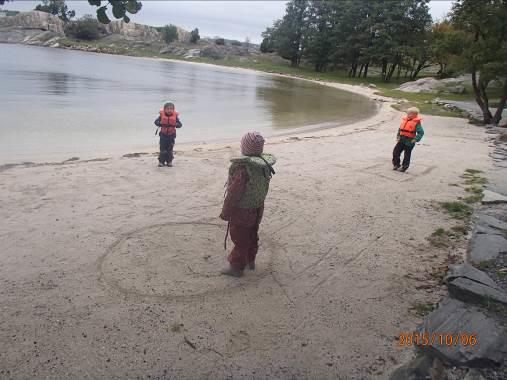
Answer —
(408, 127)
(168, 123)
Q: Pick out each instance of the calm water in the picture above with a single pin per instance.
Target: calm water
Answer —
(60, 103)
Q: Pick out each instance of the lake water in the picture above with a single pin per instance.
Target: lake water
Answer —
(61, 103)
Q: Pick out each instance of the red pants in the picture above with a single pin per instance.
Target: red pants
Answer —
(246, 244)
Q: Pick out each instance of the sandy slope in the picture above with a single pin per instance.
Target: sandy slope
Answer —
(108, 268)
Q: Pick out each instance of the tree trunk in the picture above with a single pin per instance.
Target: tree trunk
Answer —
(384, 69)
(487, 117)
(361, 71)
(391, 71)
(501, 105)
(366, 69)
(294, 62)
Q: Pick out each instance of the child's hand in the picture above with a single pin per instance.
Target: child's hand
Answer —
(412, 141)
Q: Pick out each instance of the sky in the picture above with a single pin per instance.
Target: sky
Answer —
(229, 19)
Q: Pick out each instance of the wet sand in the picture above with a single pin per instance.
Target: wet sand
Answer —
(108, 268)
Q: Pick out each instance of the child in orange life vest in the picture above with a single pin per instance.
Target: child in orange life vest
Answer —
(409, 133)
(168, 121)
(247, 187)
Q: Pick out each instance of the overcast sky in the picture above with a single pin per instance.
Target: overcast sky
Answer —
(228, 19)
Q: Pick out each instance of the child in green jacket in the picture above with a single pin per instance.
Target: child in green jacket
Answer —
(409, 133)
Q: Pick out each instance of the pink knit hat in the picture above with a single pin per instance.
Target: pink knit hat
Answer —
(252, 144)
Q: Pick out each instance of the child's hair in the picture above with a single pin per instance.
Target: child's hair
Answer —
(413, 110)
(168, 104)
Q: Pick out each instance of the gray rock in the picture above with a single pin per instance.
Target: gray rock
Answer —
(456, 89)
(467, 290)
(417, 369)
(490, 197)
(455, 318)
(489, 224)
(471, 273)
(484, 247)
(474, 374)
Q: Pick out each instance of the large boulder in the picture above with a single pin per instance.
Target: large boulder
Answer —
(460, 321)
(423, 85)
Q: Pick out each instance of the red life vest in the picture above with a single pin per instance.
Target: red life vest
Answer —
(408, 127)
(168, 123)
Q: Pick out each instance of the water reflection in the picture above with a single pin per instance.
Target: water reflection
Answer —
(84, 102)
(293, 104)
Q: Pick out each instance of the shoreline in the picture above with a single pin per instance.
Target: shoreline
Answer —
(356, 89)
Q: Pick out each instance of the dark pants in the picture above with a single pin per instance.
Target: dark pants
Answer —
(166, 148)
(398, 148)
(246, 245)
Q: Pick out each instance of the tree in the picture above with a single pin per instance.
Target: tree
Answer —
(319, 33)
(247, 43)
(169, 33)
(219, 41)
(484, 53)
(194, 36)
(287, 34)
(86, 28)
(56, 8)
(446, 44)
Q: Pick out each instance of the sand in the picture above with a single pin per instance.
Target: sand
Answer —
(108, 268)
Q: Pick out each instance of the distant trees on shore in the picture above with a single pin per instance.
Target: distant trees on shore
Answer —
(169, 33)
(355, 33)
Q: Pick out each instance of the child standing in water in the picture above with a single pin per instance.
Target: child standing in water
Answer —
(409, 133)
(168, 121)
(247, 187)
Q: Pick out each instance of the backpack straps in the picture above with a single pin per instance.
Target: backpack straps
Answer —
(270, 168)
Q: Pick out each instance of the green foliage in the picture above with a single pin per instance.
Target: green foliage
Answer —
(56, 8)
(169, 33)
(194, 36)
(355, 33)
(86, 28)
(457, 210)
(442, 238)
(422, 309)
(484, 50)
(119, 9)
(220, 41)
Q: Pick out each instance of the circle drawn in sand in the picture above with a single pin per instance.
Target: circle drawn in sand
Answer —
(174, 260)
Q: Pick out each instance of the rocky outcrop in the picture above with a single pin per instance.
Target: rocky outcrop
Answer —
(33, 20)
(38, 27)
(34, 28)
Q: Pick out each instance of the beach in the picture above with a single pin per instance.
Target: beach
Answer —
(109, 266)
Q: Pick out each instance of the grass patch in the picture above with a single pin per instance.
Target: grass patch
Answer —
(422, 309)
(473, 198)
(176, 327)
(442, 238)
(501, 274)
(458, 210)
(484, 265)
(473, 171)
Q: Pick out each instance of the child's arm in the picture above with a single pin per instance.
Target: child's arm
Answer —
(178, 123)
(419, 132)
(157, 122)
(235, 189)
